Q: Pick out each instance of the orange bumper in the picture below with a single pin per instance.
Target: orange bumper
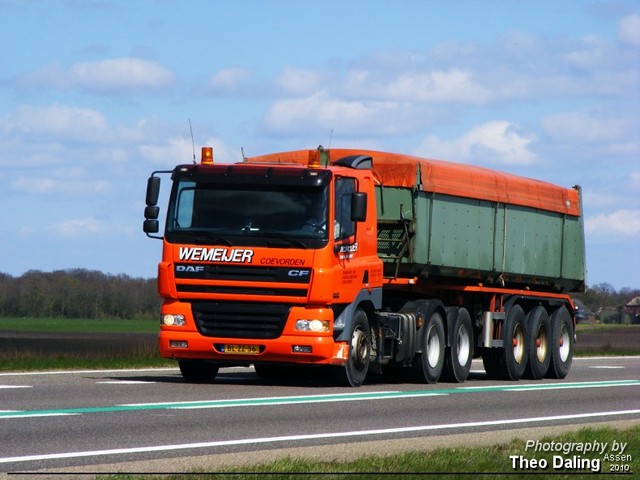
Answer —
(303, 349)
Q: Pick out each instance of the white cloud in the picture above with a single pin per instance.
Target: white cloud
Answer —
(623, 222)
(453, 85)
(169, 152)
(634, 181)
(299, 81)
(121, 73)
(629, 30)
(321, 111)
(585, 127)
(54, 121)
(77, 228)
(497, 142)
(111, 75)
(63, 187)
(229, 79)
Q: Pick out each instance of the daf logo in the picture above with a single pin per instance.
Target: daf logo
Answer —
(189, 268)
(298, 273)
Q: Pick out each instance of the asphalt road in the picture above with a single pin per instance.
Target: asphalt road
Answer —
(150, 420)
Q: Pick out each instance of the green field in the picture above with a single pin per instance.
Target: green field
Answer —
(58, 343)
(79, 325)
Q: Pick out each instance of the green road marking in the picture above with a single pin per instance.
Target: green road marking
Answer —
(302, 399)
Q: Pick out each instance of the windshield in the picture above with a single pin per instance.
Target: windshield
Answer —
(248, 214)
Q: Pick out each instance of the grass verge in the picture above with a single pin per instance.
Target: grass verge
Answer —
(503, 461)
(78, 325)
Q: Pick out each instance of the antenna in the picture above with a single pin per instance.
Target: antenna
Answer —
(193, 142)
(330, 138)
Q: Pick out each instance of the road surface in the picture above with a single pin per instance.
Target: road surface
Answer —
(150, 420)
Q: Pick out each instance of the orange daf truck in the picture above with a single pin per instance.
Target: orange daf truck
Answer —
(365, 261)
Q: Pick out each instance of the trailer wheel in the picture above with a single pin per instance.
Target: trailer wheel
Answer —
(516, 348)
(539, 343)
(194, 371)
(429, 364)
(561, 343)
(458, 357)
(354, 372)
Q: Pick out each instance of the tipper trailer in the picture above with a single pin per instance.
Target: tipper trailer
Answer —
(366, 261)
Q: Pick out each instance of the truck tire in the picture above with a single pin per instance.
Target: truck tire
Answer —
(561, 343)
(429, 363)
(195, 371)
(354, 372)
(515, 352)
(458, 356)
(539, 343)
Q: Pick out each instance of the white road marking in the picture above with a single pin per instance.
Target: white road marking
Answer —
(316, 436)
(32, 415)
(73, 372)
(15, 386)
(124, 382)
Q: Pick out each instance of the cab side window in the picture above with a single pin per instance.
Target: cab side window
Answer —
(344, 227)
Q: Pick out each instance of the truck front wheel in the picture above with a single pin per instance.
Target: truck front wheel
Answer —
(354, 372)
(194, 371)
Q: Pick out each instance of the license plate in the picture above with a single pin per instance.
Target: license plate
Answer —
(242, 349)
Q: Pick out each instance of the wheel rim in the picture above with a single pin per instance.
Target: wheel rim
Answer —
(565, 343)
(433, 347)
(518, 344)
(359, 349)
(464, 345)
(541, 345)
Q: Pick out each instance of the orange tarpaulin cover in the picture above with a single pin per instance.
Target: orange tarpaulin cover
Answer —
(469, 181)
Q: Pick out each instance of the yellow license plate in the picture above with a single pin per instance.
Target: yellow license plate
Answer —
(242, 349)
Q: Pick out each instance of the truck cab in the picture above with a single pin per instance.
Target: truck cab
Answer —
(266, 263)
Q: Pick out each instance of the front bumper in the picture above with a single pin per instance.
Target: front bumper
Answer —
(302, 349)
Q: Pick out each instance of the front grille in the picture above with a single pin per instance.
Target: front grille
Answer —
(264, 281)
(240, 320)
(270, 292)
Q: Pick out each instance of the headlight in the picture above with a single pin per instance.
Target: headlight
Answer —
(318, 326)
(170, 319)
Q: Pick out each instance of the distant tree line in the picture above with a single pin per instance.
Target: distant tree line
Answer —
(77, 293)
(83, 293)
(603, 299)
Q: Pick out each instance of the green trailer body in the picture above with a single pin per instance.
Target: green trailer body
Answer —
(463, 224)
(433, 235)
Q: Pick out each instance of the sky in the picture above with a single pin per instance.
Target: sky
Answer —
(97, 94)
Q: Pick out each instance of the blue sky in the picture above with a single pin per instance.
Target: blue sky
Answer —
(95, 94)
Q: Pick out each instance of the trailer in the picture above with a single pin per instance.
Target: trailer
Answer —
(367, 261)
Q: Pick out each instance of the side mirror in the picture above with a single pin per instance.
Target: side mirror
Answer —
(153, 190)
(152, 211)
(358, 206)
(151, 226)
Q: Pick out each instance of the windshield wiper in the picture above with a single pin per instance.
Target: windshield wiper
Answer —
(282, 237)
(203, 237)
